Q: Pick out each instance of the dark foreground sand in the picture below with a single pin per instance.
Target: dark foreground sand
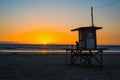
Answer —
(52, 67)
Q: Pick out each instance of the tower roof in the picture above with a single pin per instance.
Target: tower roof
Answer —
(87, 28)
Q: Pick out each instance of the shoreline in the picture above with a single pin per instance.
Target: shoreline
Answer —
(47, 52)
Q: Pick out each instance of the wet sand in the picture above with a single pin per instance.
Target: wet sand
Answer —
(22, 66)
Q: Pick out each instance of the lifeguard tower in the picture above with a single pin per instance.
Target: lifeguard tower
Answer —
(86, 49)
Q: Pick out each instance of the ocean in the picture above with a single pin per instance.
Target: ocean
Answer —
(48, 48)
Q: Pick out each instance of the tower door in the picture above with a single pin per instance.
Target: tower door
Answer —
(90, 42)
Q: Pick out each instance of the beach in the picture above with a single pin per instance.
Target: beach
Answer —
(37, 66)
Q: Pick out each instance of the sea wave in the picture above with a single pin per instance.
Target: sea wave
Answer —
(48, 48)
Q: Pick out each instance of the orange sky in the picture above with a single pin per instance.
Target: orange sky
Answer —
(50, 22)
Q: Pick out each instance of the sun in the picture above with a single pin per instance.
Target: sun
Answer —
(45, 40)
(44, 43)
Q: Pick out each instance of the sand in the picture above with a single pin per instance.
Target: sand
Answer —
(52, 67)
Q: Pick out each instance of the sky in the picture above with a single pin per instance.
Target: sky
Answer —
(50, 21)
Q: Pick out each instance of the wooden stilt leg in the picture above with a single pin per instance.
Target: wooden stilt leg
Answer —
(101, 57)
(66, 56)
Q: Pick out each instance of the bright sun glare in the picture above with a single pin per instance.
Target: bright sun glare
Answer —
(45, 40)
(44, 43)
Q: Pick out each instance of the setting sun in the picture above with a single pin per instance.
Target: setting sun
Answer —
(45, 40)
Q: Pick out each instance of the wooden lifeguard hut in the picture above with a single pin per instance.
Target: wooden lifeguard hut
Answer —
(86, 48)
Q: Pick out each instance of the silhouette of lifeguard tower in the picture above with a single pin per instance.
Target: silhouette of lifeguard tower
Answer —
(87, 45)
